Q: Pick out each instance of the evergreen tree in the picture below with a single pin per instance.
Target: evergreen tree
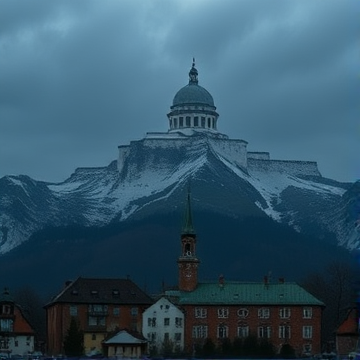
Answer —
(226, 347)
(208, 348)
(74, 340)
(266, 349)
(250, 346)
(287, 352)
(238, 347)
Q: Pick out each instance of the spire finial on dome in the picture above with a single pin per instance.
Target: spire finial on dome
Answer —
(193, 74)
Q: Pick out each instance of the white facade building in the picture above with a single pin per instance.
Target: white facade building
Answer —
(163, 325)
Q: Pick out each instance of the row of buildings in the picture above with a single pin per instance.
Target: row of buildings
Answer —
(117, 318)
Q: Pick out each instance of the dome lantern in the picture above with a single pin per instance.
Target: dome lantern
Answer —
(193, 74)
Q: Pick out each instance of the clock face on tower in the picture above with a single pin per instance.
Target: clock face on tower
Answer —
(188, 271)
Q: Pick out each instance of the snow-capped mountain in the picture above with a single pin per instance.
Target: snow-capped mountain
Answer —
(151, 177)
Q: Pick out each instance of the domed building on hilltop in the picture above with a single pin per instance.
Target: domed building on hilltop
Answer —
(193, 126)
(193, 106)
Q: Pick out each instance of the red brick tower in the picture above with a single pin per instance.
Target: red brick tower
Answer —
(187, 261)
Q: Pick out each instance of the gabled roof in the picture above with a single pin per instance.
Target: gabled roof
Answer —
(102, 291)
(125, 338)
(245, 293)
(351, 324)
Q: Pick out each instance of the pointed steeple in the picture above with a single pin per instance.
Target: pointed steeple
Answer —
(188, 228)
(188, 262)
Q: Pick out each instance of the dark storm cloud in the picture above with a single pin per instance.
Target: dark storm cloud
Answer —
(81, 77)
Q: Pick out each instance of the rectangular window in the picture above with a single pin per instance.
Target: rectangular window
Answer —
(222, 331)
(6, 309)
(96, 321)
(166, 337)
(177, 337)
(166, 321)
(6, 325)
(243, 331)
(223, 313)
(178, 322)
(134, 311)
(188, 119)
(116, 311)
(284, 332)
(264, 313)
(284, 313)
(307, 332)
(152, 336)
(152, 322)
(196, 121)
(181, 121)
(264, 332)
(93, 337)
(307, 312)
(200, 313)
(92, 321)
(200, 332)
(175, 123)
(73, 310)
(203, 121)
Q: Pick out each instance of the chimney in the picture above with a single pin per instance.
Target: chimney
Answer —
(266, 280)
(221, 280)
(281, 280)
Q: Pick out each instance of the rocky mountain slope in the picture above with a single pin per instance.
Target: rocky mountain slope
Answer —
(153, 180)
(125, 218)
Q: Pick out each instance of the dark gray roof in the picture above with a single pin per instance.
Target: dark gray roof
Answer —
(102, 291)
(193, 94)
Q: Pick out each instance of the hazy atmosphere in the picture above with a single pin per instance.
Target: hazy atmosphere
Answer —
(79, 78)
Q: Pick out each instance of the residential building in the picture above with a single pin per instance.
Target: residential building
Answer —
(348, 334)
(101, 307)
(16, 333)
(163, 326)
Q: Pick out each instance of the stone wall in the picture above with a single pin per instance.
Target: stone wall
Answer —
(291, 167)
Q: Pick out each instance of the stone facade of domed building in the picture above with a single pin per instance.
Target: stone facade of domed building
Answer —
(193, 114)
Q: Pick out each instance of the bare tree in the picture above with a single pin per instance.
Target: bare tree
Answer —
(31, 305)
(335, 287)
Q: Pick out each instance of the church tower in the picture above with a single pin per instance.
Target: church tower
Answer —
(187, 261)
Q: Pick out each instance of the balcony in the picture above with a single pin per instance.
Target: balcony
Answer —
(98, 313)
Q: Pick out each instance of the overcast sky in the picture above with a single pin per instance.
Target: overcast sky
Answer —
(78, 78)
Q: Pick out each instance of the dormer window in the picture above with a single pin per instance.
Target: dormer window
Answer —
(7, 309)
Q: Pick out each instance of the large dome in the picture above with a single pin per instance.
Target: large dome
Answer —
(193, 94)
(193, 107)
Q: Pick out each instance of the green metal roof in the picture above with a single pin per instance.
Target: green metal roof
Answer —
(238, 293)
